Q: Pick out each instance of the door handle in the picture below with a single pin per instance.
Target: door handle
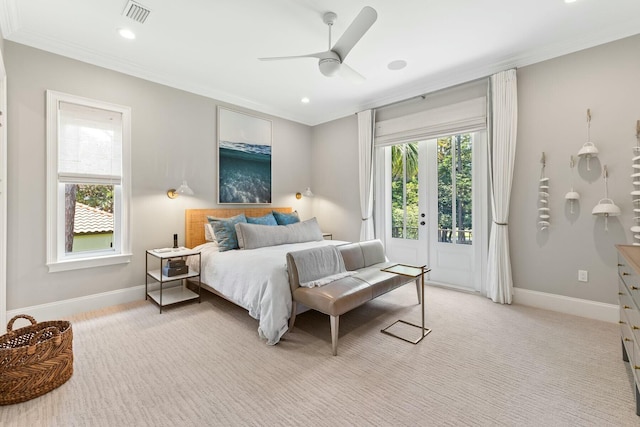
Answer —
(422, 223)
(422, 215)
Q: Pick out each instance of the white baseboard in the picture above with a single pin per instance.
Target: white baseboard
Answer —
(61, 309)
(576, 306)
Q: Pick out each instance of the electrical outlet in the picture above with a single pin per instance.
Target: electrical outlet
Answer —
(583, 276)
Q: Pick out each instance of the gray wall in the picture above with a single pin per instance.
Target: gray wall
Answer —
(173, 138)
(553, 98)
(334, 152)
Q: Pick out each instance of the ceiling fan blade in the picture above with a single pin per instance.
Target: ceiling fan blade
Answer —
(319, 55)
(356, 30)
(350, 74)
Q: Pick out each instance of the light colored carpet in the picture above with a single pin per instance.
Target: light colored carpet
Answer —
(484, 364)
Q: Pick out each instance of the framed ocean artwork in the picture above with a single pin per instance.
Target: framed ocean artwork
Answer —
(244, 158)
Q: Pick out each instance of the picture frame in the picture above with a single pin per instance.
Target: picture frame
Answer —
(244, 158)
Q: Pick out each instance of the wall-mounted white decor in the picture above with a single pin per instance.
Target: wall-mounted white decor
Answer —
(606, 207)
(635, 180)
(572, 195)
(589, 149)
(544, 212)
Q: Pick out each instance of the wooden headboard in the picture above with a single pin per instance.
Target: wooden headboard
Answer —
(195, 219)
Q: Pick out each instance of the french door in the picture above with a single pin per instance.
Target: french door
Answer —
(435, 207)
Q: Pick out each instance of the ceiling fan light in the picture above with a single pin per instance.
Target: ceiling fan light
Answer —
(329, 66)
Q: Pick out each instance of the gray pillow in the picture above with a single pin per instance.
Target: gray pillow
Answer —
(252, 236)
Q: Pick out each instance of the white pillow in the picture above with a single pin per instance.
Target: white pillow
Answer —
(209, 235)
(252, 236)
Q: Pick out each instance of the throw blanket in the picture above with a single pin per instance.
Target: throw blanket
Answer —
(319, 266)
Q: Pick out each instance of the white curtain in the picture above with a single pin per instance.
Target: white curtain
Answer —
(365, 145)
(502, 151)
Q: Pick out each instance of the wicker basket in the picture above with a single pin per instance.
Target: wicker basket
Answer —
(35, 359)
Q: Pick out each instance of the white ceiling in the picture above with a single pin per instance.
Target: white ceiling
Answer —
(210, 47)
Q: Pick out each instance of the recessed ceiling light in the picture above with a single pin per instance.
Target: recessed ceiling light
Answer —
(305, 100)
(569, 1)
(127, 33)
(397, 65)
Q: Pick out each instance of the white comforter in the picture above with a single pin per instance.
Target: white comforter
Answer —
(255, 279)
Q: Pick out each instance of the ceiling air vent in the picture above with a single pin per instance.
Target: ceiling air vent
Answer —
(136, 11)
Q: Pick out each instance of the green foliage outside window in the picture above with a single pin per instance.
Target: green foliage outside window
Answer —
(404, 227)
(460, 165)
(96, 196)
(405, 213)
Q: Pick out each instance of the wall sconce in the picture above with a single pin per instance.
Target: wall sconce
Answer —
(306, 193)
(184, 189)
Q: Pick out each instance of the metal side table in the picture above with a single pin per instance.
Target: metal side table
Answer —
(415, 272)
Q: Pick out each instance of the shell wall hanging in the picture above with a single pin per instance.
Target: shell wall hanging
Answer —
(589, 149)
(606, 207)
(572, 195)
(635, 193)
(544, 214)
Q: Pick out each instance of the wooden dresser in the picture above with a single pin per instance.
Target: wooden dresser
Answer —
(629, 295)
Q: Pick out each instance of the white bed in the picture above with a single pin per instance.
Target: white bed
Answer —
(255, 279)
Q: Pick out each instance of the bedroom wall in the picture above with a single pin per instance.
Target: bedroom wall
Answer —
(553, 97)
(173, 138)
(334, 150)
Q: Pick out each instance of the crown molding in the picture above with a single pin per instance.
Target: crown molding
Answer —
(9, 17)
(458, 75)
(470, 72)
(114, 63)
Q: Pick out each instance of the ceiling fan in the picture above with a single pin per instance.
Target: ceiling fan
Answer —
(331, 62)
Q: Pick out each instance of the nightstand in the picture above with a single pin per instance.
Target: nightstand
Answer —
(328, 236)
(164, 296)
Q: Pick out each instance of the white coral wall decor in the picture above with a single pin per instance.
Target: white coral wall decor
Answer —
(572, 195)
(589, 149)
(544, 211)
(606, 207)
(635, 181)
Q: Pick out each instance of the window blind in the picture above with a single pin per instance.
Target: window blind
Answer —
(89, 145)
(462, 117)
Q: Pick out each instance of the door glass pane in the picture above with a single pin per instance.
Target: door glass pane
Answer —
(463, 189)
(445, 190)
(454, 189)
(404, 191)
(88, 217)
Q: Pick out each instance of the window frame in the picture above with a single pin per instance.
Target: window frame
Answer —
(57, 259)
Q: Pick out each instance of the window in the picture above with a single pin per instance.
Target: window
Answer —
(88, 182)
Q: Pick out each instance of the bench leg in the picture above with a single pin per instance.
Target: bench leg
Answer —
(419, 290)
(292, 319)
(335, 321)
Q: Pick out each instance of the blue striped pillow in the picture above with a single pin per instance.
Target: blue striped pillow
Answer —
(225, 231)
(267, 219)
(286, 218)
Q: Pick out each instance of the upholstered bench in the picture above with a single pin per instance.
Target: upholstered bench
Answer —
(339, 296)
